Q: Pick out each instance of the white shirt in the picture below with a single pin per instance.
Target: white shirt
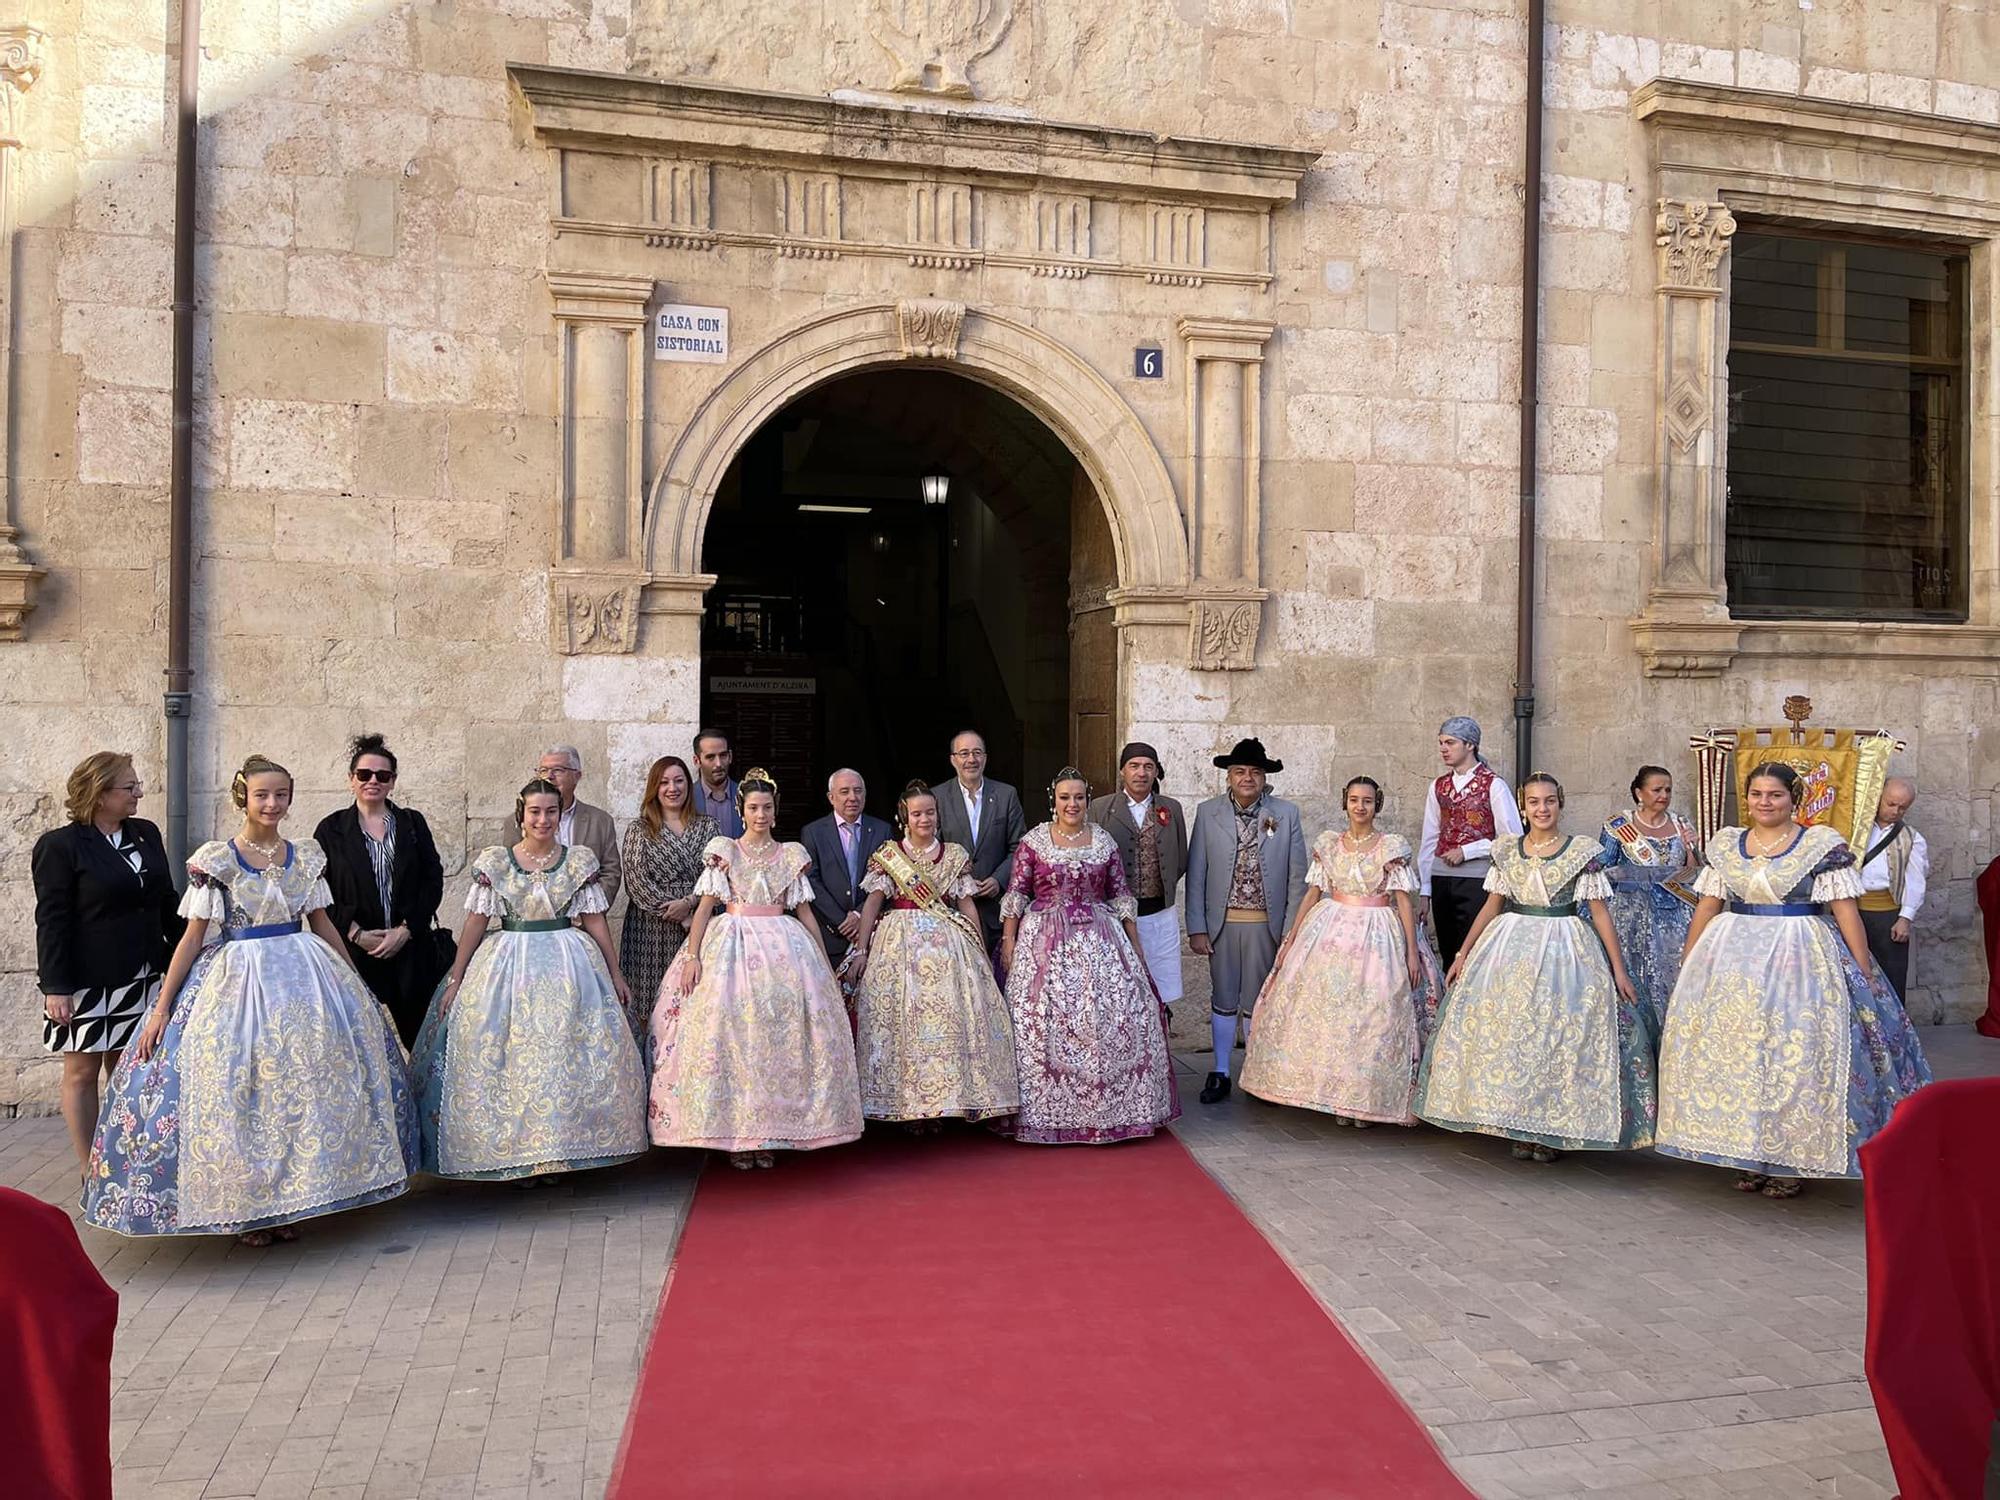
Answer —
(1875, 874)
(566, 829)
(1506, 819)
(1139, 811)
(973, 796)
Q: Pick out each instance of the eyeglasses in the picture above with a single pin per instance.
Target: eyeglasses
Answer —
(369, 773)
(968, 755)
(549, 773)
(136, 788)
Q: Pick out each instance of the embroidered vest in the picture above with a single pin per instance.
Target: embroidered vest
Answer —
(1146, 883)
(1465, 817)
(1901, 842)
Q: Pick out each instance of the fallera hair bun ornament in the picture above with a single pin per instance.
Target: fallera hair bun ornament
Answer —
(253, 765)
(914, 788)
(538, 786)
(756, 779)
(1067, 773)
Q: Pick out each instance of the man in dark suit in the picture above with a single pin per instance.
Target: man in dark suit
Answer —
(984, 817)
(1151, 834)
(840, 844)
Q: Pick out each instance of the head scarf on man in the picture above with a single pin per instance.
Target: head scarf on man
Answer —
(1463, 728)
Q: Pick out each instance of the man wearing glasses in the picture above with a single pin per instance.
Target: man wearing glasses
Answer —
(985, 818)
(562, 767)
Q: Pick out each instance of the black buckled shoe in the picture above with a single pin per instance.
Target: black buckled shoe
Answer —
(1216, 1089)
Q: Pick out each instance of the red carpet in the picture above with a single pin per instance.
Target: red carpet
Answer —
(962, 1317)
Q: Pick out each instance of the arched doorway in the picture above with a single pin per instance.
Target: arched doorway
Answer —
(854, 620)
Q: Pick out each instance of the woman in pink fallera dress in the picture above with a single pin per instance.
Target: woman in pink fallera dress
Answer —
(1343, 1020)
(752, 1051)
(1089, 1030)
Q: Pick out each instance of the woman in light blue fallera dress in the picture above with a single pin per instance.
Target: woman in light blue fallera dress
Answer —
(526, 1065)
(268, 1085)
(1652, 853)
(1785, 1048)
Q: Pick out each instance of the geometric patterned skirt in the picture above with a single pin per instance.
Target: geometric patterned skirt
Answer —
(103, 1018)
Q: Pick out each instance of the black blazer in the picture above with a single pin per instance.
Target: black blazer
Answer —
(417, 880)
(96, 922)
(834, 894)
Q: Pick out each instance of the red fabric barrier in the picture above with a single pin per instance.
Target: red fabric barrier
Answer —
(1933, 1209)
(1988, 888)
(56, 1318)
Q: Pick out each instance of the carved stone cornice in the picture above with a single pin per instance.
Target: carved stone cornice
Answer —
(21, 56)
(1692, 238)
(1697, 646)
(594, 615)
(1223, 625)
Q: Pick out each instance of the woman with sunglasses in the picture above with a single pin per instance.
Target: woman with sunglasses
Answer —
(383, 869)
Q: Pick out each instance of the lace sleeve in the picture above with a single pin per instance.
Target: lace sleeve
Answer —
(799, 892)
(318, 898)
(1710, 883)
(1318, 874)
(204, 900)
(589, 899)
(1495, 883)
(1400, 877)
(875, 883)
(1593, 884)
(714, 878)
(1837, 877)
(1124, 908)
(482, 900)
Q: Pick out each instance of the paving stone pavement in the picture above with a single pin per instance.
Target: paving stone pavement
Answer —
(1608, 1326)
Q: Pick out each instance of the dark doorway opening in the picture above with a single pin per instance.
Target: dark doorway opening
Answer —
(863, 611)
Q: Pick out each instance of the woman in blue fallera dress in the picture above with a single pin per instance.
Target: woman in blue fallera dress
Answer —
(267, 1085)
(1785, 1049)
(1653, 854)
(526, 1066)
(1541, 1039)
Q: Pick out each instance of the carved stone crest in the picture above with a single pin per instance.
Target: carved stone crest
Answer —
(934, 43)
(20, 67)
(1692, 238)
(1222, 634)
(929, 329)
(594, 616)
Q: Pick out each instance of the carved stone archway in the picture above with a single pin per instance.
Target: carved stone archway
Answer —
(1050, 380)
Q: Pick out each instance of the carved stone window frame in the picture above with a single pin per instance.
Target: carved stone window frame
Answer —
(1815, 163)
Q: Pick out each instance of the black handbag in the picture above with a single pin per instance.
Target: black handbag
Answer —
(444, 952)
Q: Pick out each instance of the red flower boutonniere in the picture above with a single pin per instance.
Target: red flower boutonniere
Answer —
(1161, 817)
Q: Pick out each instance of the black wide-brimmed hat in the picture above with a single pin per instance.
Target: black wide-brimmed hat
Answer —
(1249, 753)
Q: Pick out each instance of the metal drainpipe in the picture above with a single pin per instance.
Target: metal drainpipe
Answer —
(179, 702)
(1531, 316)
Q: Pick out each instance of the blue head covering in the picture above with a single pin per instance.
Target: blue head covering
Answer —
(1461, 727)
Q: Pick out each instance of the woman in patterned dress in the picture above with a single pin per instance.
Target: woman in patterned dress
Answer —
(1785, 1048)
(105, 926)
(662, 861)
(267, 1085)
(752, 1051)
(933, 1040)
(1653, 853)
(526, 1066)
(1089, 1030)
(1354, 990)
(1541, 1039)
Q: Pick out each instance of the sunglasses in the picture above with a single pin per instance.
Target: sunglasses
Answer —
(369, 773)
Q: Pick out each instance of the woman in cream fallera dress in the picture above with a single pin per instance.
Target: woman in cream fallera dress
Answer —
(933, 1039)
(1541, 1039)
(1342, 1022)
(530, 1068)
(752, 1049)
(1782, 1054)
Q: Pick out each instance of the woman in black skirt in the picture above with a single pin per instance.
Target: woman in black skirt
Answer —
(383, 869)
(105, 924)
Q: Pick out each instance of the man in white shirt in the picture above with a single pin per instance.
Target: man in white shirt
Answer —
(984, 818)
(1894, 870)
(1465, 810)
(1150, 831)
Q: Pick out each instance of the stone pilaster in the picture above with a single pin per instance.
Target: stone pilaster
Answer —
(1685, 629)
(1225, 361)
(601, 337)
(21, 49)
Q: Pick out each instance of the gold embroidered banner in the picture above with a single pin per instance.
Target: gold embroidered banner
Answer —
(1843, 771)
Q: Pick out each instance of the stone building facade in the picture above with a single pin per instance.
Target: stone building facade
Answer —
(446, 489)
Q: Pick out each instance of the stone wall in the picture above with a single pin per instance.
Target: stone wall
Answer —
(378, 410)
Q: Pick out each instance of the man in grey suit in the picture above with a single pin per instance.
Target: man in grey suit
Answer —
(562, 766)
(1151, 834)
(1246, 876)
(840, 844)
(985, 817)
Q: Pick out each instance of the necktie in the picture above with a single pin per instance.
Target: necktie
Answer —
(972, 817)
(850, 839)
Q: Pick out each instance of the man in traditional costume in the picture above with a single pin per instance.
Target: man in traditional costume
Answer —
(1246, 875)
(1151, 834)
(1464, 811)
(1893, 874)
